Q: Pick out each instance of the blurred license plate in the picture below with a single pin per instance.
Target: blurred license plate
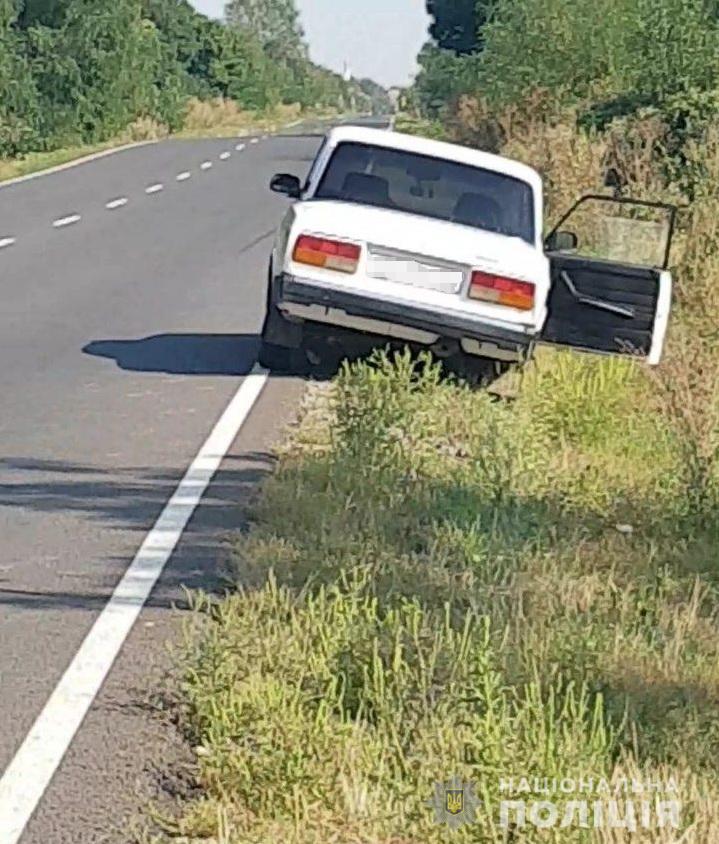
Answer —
(415, 273)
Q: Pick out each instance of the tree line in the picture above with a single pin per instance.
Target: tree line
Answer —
(612, 60)
(80, 71)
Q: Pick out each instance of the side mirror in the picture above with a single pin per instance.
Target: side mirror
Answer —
(611, 179)
(287, 184)
(562, 241)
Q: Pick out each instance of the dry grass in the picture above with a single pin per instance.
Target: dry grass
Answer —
(220, 117)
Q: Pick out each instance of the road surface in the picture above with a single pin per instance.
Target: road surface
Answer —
(132, 294)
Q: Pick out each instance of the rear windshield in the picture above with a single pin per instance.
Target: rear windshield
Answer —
(432, 187)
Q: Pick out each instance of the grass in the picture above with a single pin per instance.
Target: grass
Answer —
(220, 117)
(411, 125)
(37, 161)
(439, 581)
(141, 130)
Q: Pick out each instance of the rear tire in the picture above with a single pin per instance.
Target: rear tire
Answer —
(477, 371)
(275, 358)
(281, 340)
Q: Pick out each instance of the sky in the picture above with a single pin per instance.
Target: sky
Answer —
(378, 38)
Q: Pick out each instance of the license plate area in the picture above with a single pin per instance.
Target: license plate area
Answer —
(401, 268)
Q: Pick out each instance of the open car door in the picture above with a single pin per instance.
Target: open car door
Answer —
(610, 287)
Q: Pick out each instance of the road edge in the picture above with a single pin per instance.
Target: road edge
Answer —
(75, 162)
(26, 779)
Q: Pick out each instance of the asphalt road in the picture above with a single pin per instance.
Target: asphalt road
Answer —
(123, 336)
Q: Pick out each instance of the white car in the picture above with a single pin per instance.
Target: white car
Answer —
(402, 240)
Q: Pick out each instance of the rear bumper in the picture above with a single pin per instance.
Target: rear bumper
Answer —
(296, 291)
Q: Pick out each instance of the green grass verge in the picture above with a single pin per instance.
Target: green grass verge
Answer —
(412, 125)
(441, 582)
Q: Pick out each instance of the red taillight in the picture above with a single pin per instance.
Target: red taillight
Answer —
(329, 254)
(502, 290)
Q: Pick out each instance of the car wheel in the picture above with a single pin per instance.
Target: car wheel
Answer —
(276, 330)
(477, 371)
(275, 358)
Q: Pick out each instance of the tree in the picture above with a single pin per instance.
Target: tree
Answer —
(74, 71)
(457, 24)
(378, 98)
(274, 23)
(19, 107)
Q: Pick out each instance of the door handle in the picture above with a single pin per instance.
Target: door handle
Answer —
(620, 310)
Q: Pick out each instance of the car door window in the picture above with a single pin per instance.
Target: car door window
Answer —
(622, 232)
(610, 290)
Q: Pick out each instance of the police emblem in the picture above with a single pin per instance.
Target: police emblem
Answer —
(454, 800)
(454, 803)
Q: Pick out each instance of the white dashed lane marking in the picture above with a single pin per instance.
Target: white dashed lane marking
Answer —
(67, 221)
(121, 201)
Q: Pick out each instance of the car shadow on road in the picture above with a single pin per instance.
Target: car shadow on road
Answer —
(199, 354)
(182, 354)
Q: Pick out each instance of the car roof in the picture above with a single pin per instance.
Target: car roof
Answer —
(436, 149)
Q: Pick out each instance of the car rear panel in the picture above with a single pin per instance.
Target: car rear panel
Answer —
(423, 262)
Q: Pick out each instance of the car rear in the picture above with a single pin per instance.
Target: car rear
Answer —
(403, 244)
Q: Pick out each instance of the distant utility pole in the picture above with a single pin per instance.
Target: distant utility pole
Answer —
(347, 76)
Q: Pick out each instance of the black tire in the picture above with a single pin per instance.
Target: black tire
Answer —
(275, 358)
(276, 330)
(281, 340)
(477, 371)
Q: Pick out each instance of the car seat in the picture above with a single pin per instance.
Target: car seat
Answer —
(478, 210)
(362, 187)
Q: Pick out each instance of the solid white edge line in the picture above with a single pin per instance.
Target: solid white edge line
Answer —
(116, 203)
(66, 221)
(86, 159)
(7, 241)
(182, 177)
(33, 766)
(205, 165)
(154, 188)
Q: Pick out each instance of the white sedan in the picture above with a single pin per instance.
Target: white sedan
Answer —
(396, 239)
